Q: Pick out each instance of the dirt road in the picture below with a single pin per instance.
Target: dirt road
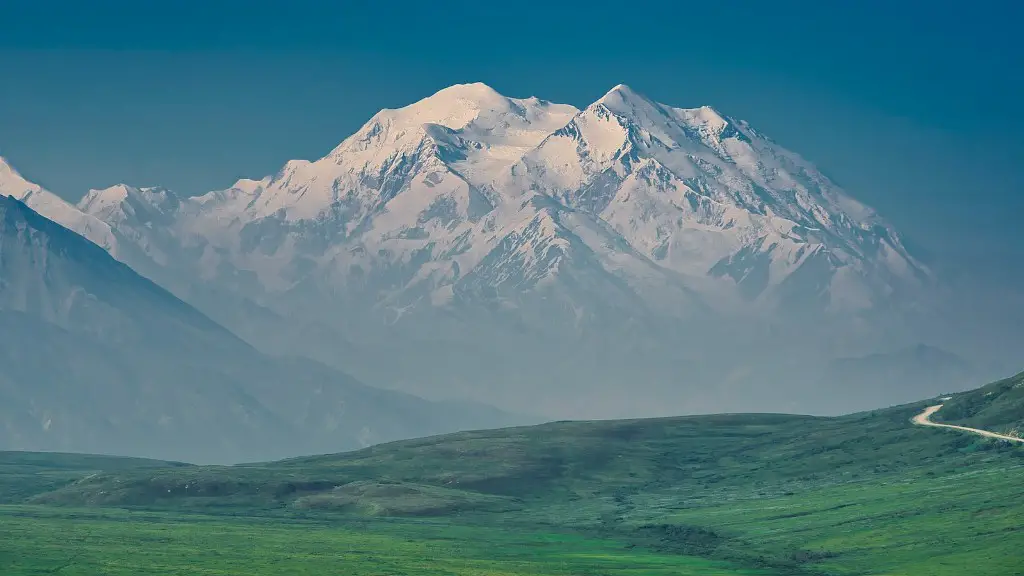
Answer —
(924, 419)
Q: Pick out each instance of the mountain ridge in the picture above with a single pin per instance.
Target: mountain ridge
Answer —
(14, 185)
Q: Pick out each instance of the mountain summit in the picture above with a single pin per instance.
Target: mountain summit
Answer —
(521, 251)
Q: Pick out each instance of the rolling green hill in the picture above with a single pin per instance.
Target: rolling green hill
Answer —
(998, 407)
(26, 474)
(868, 493)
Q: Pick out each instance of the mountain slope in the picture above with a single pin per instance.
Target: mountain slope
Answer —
(95, 358)
(708, 195)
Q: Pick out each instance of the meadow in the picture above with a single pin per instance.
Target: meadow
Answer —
(81, 543)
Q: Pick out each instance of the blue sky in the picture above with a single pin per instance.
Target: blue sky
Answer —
(914, 107)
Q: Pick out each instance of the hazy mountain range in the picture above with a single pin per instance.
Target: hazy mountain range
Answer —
(95, 358)
(626, 259)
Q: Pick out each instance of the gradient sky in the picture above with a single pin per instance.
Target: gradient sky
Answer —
(914, 107)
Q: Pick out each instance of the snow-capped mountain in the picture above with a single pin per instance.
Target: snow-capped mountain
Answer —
(471, 226)
(468, 190)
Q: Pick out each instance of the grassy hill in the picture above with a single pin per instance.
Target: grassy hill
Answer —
(998, 407)
(867, 493)
(26, 474)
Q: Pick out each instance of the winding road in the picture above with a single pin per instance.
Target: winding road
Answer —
(924, 419)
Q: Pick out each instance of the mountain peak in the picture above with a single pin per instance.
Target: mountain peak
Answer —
(470, 91)
(453, 107)
(97, 197)
(621, 94)
(5, 166)
(621, 90)
(12, 183)
(461, 105)
(121, 201)
(471, 127)
(624, 101)
(706, 116)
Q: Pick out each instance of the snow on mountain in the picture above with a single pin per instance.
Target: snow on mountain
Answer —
(703, 194)
(426, 193)
(13, 185)
(122, 203)
(143, 217)
(465, 133)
